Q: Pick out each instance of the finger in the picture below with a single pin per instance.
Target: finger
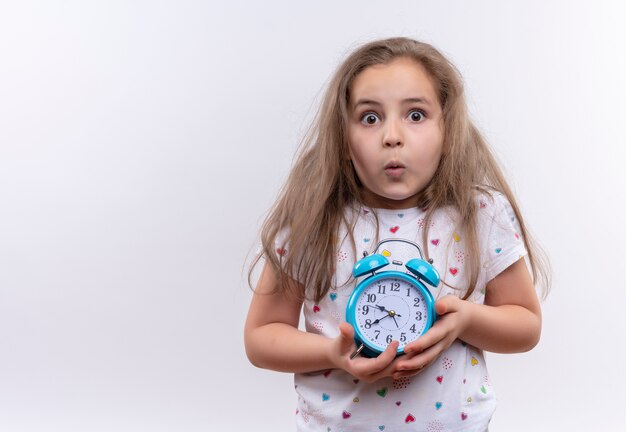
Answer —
(346, 335)
(407, 374)
(375, 365)
(388, 371)
(346, 329)
(422, 361)
(387, 364)
(446, 305)
(418, 362)
(431, 337)
(426, 356)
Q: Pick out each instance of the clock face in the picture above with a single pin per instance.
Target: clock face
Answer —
(391, 308)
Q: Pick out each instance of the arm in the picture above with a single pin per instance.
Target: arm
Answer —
(508, 322)
(510, 319)
(271, 334)
(273, 341)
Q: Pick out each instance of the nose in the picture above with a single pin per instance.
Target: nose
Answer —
(393, 134)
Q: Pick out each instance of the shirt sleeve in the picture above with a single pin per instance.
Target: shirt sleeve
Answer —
(283, 251)
(504, 245)
(280, 246)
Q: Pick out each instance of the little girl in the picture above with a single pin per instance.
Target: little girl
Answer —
(393, 155)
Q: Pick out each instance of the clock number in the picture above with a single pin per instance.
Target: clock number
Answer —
(381, 289)
(419, 315)
(417, 301)
(395, 286)
(408, 292)
(371, 298)
(413, 328)
(389, 338)
(368, 323)
(377, 334)
(402, 337)
(366, 309)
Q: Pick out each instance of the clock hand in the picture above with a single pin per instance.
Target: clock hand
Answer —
(380, 319)
(394, 320)
(390, 313)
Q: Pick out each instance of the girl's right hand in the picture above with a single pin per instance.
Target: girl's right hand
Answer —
(366, 369)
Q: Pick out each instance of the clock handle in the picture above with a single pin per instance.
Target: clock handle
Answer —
(400, 240)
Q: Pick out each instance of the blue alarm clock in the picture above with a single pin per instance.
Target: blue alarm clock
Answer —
(392, 304)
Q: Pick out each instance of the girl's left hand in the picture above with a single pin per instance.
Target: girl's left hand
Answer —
(451, 322)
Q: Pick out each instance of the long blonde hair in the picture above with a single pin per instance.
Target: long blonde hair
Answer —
(322, 182)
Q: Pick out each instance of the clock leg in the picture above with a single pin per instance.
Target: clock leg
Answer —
(357, 352)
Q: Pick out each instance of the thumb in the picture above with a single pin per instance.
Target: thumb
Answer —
(346, 336)
(446, 305)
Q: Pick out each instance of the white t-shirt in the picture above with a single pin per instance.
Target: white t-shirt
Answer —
(454, 392)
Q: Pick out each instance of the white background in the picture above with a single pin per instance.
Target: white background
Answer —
(142, 142)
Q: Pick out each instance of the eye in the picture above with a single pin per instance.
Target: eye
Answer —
(417, 115)
(369, 118)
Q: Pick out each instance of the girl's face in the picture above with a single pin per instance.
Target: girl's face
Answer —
(395, 132)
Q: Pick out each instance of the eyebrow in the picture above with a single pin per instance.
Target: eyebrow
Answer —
(421, 100)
